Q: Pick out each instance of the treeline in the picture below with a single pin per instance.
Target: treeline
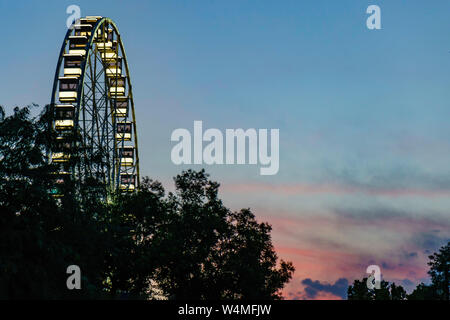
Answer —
(438, 289)
(143, 245)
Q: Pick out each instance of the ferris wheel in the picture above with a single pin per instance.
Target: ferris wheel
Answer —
(92, 100)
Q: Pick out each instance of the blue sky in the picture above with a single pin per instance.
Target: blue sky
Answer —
(362, 114)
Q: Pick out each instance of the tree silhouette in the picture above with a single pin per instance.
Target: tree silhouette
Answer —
(359, 291)
(423, 292)
(397, 292)
(387, 291)
(209, 252)
(438, 289)
(439, 271)
(140, 245)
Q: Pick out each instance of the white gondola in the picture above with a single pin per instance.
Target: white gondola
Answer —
(123, 131)
(126, 156)
(120, 107)
(109, 55)
(104, 35)
(117, 86)
(64, 116)
(127, 182)
(83, 30)
(104, 45)
(61, 151)
(77, 45)
(114, 67)
(72, 65)
(68, 87)
(60, 157)
(92, 20)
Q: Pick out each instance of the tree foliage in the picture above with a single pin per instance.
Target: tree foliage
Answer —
(439, 271)
(438, 289)
(142, 245)
(387, 291)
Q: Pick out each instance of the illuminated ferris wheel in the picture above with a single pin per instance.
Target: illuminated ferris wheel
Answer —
(92, 100)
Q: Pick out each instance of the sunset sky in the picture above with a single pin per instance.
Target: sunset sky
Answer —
(363, 116)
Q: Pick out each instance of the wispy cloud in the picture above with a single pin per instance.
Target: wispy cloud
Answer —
(392, 181)
(333, 188)
(342, 243)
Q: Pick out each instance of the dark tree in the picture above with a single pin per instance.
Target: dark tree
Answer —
(397, 292)
(39, 239)
(387, 291)
(140, 245)
(439, 271)
(359, 291)
(132, 222)
(423, 292)
(209, 252)
(249, 261)
(438, 289)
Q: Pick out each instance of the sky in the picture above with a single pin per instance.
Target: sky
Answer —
(363, 115)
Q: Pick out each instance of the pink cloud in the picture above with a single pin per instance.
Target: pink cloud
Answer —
(328, 266)
(328, 261)
(312, 189)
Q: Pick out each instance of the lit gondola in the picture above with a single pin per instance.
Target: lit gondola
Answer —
(83, 30)
(124, 131)
(61, 151)
(117, 86)
(120, 105)
(64, 115)
(68, 87)
(126, 156)
(114, 67)
(72, 65)
(127, 182)
(77, 45)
